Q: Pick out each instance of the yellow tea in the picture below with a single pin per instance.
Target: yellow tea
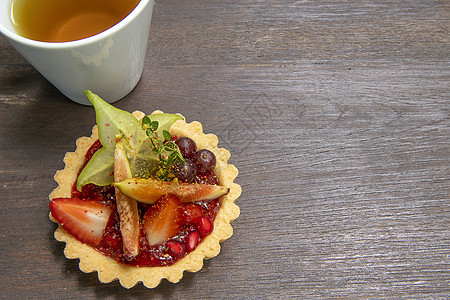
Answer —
(67, 20)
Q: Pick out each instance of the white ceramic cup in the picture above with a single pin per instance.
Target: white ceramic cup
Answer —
(109, 64)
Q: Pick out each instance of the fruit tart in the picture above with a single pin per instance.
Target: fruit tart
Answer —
(145, 197)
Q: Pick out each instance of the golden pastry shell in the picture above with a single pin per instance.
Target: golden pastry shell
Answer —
(108, 269)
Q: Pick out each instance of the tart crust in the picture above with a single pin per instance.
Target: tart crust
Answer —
(108, 269)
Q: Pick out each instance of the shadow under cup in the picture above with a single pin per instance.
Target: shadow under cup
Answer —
(109, 64)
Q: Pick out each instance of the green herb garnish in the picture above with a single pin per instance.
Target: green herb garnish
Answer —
(167, 150)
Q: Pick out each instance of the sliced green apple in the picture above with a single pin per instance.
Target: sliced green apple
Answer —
(112, 121)
(150, 190)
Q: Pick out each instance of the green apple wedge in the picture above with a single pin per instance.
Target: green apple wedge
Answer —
(111, 122)
(150, 190)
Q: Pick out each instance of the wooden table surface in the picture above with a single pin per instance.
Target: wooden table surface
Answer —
(336, 114)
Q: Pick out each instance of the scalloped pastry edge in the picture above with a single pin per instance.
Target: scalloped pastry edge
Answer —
(108, 269)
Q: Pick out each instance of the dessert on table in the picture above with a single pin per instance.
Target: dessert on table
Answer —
(145, 197)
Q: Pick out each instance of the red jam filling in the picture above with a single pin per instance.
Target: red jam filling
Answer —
(164, 254)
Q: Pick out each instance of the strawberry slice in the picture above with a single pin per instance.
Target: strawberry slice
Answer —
(163, 220)
(84, 219)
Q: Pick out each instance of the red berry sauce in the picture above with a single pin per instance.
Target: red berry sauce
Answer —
(198, 219)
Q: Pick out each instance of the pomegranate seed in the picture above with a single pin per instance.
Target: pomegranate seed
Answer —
(192, 240)
(204, 224)
(175, 248)
(192, 211)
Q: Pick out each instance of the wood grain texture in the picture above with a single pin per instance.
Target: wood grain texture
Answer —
(336, 114)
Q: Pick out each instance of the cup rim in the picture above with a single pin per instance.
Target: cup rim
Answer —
(82, 42)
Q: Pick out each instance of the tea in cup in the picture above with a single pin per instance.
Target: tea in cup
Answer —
(96, 45)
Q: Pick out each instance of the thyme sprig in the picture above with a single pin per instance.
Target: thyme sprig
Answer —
(166, 149)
